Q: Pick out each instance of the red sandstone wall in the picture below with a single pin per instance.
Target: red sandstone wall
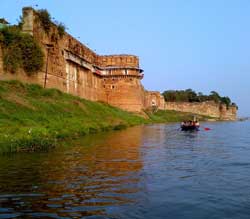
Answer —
(154, 99)
(209, 108)
(70, 63)
(124, 92)
(205, 108)
(72, 66)
(229, 113)
(118, 60)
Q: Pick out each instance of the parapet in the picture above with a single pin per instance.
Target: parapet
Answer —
(76, 48)
(118, 60)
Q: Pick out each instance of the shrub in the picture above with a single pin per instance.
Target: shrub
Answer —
(32, 55)
(45, 19)
(191, 96)
(12, 58)
(61, 29)
(20, 22)
(1, 38)
(20, 50)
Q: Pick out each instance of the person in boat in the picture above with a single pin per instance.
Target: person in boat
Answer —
(197, 124)
(190, 123)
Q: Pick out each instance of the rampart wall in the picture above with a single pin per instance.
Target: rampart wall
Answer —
(74, 68)
(154, 99)
(208, 108)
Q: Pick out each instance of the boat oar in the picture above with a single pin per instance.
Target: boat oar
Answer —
(207, 129)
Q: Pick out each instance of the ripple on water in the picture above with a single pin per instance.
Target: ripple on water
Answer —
(143, 172)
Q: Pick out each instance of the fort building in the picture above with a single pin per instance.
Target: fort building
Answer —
(72, 67)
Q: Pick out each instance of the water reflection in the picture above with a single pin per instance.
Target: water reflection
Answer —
(99, 171)
(154, 171)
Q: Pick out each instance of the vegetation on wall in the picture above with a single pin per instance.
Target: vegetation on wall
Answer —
(20, 22)
(191, 96)
(45, 19)
(20, 50)
(46, 22)
(61, 29)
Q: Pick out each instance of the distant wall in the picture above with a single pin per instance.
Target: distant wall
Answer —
(154, 99)
(229, 113)
(208, 108)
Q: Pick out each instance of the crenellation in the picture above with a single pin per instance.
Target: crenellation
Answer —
(129, 61)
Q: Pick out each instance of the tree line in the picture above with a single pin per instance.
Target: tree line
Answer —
(190, 95)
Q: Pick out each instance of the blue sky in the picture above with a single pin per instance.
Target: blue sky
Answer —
(198, 44)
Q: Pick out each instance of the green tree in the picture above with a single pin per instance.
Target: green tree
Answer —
(190, 95)
(214, 96)
(226, 100)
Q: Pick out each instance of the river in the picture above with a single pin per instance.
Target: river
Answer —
(152, 171)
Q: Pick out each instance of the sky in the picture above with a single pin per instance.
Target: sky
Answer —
(199, 44)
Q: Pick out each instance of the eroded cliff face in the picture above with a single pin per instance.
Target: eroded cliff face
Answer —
(209, 108)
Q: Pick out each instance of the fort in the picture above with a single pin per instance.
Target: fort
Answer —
(72, 67)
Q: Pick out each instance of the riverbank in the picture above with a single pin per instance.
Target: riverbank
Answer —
(33, 118)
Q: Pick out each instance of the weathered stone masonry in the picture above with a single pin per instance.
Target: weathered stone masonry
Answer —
(74, 68)
(208, 108)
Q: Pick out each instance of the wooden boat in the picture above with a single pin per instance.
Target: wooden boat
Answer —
(191, 125)
(189, 128)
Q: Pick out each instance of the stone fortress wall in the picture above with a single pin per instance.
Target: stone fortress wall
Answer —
(208, 108)
(76, 69)
(72, 67)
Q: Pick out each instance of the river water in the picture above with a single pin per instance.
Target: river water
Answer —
(153, 171)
